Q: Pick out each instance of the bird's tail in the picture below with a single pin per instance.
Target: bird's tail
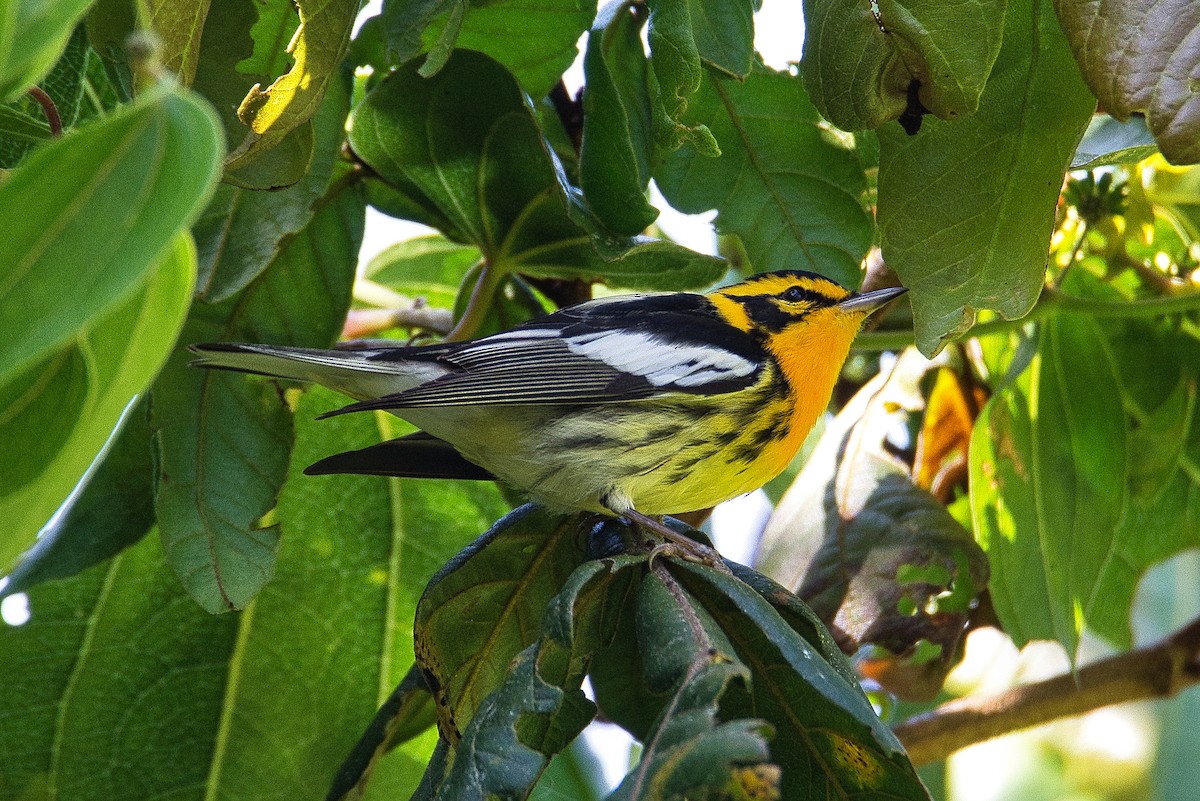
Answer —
(353, 372)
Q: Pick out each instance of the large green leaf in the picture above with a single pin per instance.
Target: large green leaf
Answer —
(59, 413)
(294, 97)
(1139, 57)
(222, 440)
(116, 686)
(32, 37)
(1049, 458)
(90, 216)
(966, 208)
(1084, 474)
(724, 33)
(614, 159)
(464, 151)
(860, 60)
(789, 191)
(123, 688)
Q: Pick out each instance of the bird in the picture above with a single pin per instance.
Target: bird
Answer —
(634, 406)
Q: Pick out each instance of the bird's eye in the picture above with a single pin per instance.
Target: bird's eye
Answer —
(793, 294)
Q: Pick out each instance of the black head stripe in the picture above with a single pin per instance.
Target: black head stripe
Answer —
(767, 313)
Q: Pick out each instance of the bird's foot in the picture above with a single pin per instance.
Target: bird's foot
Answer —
(676, 544)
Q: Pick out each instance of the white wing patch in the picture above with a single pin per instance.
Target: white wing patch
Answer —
(661, 363)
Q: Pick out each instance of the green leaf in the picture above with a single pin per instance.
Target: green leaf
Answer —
(32, 37)
(91, 215)
(575, 773)
(293, 98)
(109, 662)
(59, 413)
(614, 159)
(23, 122)
(406, 713)
(484, 607)
(423, 524)
(690, 750)
(538, 708)
(19, 132)
(1049, 457)
(724, 34)
(968, 227)
(179, 26)
(535, 40)
(114, 512)
(242, 230)
(675, 74)
(788, 190)
(858, 63)
(1133, 449)
(115, 658)
(828, 740)
(222, 440)
(1142, 58)
(464, 151)
(429, 138)
(429, 267)
(1109, 141)
(405, 21)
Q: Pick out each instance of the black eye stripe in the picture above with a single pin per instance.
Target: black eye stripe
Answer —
(798, 294)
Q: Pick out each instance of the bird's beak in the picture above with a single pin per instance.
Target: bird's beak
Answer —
(868, 302)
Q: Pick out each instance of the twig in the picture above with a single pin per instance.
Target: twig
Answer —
(1157, 671)
(367, 322)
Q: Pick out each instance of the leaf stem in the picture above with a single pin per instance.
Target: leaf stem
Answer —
(48, 108)
(1156, 671)
(478, 305)
(1052, 302)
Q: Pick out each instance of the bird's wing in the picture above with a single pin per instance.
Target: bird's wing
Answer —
(599, 352)
(417, 455)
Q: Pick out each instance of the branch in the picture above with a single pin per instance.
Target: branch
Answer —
(1157, 671)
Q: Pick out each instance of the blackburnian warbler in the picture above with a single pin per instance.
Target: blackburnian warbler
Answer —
(657, 404)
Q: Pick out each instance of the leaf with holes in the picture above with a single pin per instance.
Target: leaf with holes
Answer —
(860, 61)
(828, 740)
(966, 208)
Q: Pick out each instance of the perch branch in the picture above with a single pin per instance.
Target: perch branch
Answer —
(1157, 671)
